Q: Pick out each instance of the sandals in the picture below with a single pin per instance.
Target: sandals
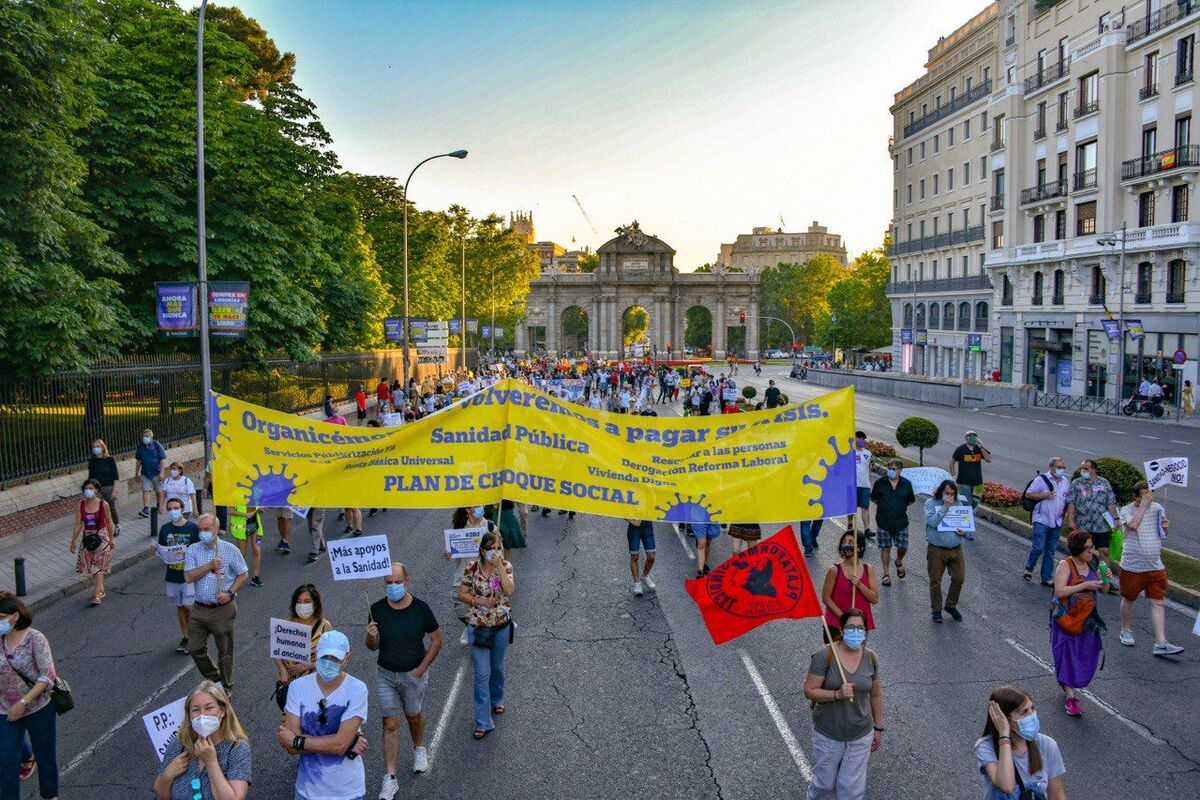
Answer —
(480, 734)
(95, 601)
(887, 580)
(900, 573)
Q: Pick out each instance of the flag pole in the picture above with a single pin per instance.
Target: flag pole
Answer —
(833, 650)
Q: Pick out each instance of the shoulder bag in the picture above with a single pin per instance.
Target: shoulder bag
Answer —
(1070, 616)
(60, 691)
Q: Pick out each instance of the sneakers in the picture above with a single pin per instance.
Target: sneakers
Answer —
(1072, 707)
(389, 788)
(145, 512)
(638, 590)
(937, 617)
(870, 534)
(358, 531)
(970, 537)
(312, 557)
(182, 646)
(649, 583)
(463, 639)
(1127, 638)
(953, 612)
(420, 759)
(1048, 583)
(283, 547)
(349, 530)
(116, 530)
(1167, 649)
(280, 545)
(256, 582)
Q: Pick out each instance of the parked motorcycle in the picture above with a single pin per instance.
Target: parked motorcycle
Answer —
(1143, 405)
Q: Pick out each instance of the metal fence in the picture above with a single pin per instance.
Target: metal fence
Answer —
(47, 424)
(1070, 402)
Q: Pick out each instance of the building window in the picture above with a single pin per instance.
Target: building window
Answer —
(1185, 56)
(1149, 141)
(987, 76)
(998, 131)
(922, 151)
(908, 315)
(1063, 51)
(922, 224)
(998, 234)
(910, 194)
(1039, 128)
(1037, 289)
(910, 156)
(1057, 297)
(966, 172)
(1149, 75)
(982, 266)
(950, 179)
(1039, 228)
(1175, 274)
(966, 264)
(964, 316)
(1060, 224)
(1103, 26)
(1179, 203)
(949, 229)
(949, 316)
(912, 117)
(935, 233)
(933, 316)
(1089, 94)
(1183, 130)
(909, 239)
(981, 316)
(1085, 165)
(936, 138)
(1145, 209)
(1098, 286)
(922, 189)
(950, 135)
(953, 90)
(1145, 272)
(983, 168)
(1061, 125)
(998, 187)
(966, 218)
(936, 178)
(1006, 292)
(1085, 218)
(967, 122)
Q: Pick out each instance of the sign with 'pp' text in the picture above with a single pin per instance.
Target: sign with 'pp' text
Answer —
(163, 726)
(291, 641)
(357, 559)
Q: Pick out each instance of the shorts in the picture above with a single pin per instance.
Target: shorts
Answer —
(864, 496)
(150, 484)
(362, 413)
(640, 538)
(706, 530)
(1101, 539)
(399, 691)
(1154, 584)
(181, 594)
(893, 538)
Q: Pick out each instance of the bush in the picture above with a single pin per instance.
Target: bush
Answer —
(749, 392)
(1000, 496)
(880, 449)
(917, 432)
(1121, 474)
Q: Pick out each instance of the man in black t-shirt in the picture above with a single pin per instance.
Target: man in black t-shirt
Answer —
(179, 530)
(772, 394)
(966, 467)
(397, 627)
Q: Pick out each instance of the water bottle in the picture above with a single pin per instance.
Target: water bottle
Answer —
(1105, 575)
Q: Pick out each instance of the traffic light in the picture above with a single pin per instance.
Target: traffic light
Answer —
(742, 317)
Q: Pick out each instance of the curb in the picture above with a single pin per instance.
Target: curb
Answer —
(82, 583)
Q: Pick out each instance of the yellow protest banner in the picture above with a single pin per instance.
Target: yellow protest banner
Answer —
(516, 442)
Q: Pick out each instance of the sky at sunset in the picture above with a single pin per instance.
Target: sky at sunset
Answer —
(701, 120)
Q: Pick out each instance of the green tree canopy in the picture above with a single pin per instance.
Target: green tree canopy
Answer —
(859, 313)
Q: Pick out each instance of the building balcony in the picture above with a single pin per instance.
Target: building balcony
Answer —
(957, 104)
(1169, 236)
(1183, 76)
(1060, 126)
(1146, 92)
(1174, 297)
(1141, 297)
(967, 284)
(981, 325)
(997, 202)
(952, 239)
(1164, 17)
(1083, 109)
(1040, 133)
(1165, 161)
(1045, 76)
(1085, 180)
(1045, 191)
(997, 145)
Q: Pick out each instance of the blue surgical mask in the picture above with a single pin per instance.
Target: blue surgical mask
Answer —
(395, 592)
(1029, 727)
(5, 627)
(174, 514)
(96, 451)
(854, 637)
(1059, 472)
(1086, 475)
(89, 493)
(891, 473)
(478, 511)
(328, 669)
(147, 439)
(206, 537)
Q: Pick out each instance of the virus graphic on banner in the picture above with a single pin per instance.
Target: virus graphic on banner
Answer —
(689, 510)
(270, 489)
(215, 414)
(839, 487)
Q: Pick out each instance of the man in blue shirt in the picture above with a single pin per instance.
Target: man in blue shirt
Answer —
(151, 459)
(944, 553)
(217, 570)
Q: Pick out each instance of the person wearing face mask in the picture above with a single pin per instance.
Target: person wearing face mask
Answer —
(210, 757)
(306, 609)
(892, 495)
(487, 586)
(177, 485)
(1076, 650)
(179, 531)
(95, 547)
(849, 584)
(1092, 507)
(322, 719)
(1142, 569)
(397, 626)
(217, 571)
(966, 465)
(103, 468)
(862, 477)
(26, 672)
(1016, 759)
(1050, 489)
(847, 709)
(464, 518)
(150, 458)
(944, 552)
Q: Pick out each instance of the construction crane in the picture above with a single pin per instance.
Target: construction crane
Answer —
(583, 211)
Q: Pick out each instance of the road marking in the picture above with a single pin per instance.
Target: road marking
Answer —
(1077, 450)
(1119, 433)
(683, 540)
(1177, 441)
(447, 709)
(1060, 424)
(1136, 727)
(777, 717)
(1086, 428)
(123, 721)
(1144, 436)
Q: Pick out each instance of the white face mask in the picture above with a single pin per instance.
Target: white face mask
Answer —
(205, 725)
(174, 473)
(304, 610)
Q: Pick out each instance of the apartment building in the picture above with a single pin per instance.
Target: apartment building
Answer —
(1091, 133)
(766, 247)
(940, 291)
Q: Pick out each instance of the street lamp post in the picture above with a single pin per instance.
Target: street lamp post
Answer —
(201, 233)
(1111, 241)
(455, 154)
(462, 330)
(791, 332)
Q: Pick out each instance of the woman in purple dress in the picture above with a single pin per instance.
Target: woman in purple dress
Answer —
(1076, 656)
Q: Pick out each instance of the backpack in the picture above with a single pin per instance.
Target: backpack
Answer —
(1027, 502)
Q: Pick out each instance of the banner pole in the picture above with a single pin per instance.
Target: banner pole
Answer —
(833, 650)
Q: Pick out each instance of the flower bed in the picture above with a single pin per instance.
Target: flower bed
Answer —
(999, 495)
(880, 449)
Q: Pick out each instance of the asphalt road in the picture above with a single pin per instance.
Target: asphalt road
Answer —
(1021, 441)
(617, 696)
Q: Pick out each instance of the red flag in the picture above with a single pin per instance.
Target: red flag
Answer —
(767, 581)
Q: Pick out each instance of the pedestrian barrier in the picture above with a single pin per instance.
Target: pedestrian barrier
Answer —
(1070, 402)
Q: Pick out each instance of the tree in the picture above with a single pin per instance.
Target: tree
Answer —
(698, 327)
(799, 294)
(917, 432)
(634, 324)
(859, 313)
(59, 302)
(270, 68)
(590, 262)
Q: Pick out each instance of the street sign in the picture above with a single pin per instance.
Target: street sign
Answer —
(393, 329)
(906, 336)
(1112, 328)
(228, 307)
(975, 342)
(1180, 356)
(1135, 329)
(418, 329)
(922, 337)
(176, 308)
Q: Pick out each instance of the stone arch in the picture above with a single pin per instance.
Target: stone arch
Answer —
(698, 327)
(636, 324)
(575, 329)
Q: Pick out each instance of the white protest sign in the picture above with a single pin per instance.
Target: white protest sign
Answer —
(290, 640)
(391, 420)
(356, 559)
(925, 480)
(299, 511)
(163, 725)
(1172, 471)
(958, 518)
(171, 554)
(729, 393)
(464, 542)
